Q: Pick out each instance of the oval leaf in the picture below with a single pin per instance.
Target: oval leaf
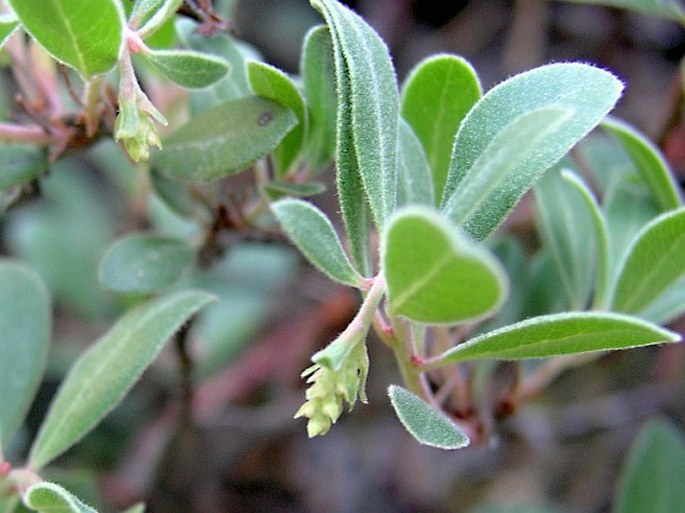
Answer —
(269, 82)
(314, 235)
(426, 424)
(87, 36)
(414, 177)
(224, 140)
(655, 262)
(187, 68)
(373, 99)
(52, 498)
(436, 96)
(434, 274)
(20, 163)
(144, 263)
(108, 369)
(25, 325)
(649, 161)
(588, 92)
(559, 334)
(654, 472)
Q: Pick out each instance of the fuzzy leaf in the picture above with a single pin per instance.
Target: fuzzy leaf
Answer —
(426, 424)
(649, 161)
(276, 190)
(105, 372)
(414, 177)
(318, 74)
(144, 263)
(482, 201)
(8, 24)
(587, 92)
(25, 325)
(187, 68)
(436, 96)
(224, 140)
(652, 478)
(272, 83)
(314, 235)
(20, 163)
(87, 36)
(372, 97)
(560, 334)
(48, 497)
(435, 274)
(655, 262)
(155, 13)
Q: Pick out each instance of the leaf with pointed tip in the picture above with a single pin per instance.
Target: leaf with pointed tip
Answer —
(45, 497)
(144, 263)
(25, 321)
(187, 68)
(155, 13)
(426, 424)
(87, 36)
(20, 163)
(435, 274)
(436, 96)
(587, 92)
(105, 372)
(224, 140)
(560, 334)
(314, 235)
(414, 177)
(8, 24)
(372, 97)
(655, 262)
(649, 161)
(318, 75)
(269, 82)
(482, 201)
(653, 474)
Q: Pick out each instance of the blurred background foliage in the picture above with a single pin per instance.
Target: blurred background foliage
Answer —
(244, 452)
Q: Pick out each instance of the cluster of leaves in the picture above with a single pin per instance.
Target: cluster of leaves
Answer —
(431, 169)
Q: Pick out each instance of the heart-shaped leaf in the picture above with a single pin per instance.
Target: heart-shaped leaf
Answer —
(193, 70)
(559, 334)
(47, 497)
(87, 36)
(224, 140)
(426, 424)
(436, 96)
(435, 274)
(144, 263)
(25, 322)
(105, 372)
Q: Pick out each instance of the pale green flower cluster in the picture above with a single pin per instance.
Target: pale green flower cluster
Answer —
(330, 387)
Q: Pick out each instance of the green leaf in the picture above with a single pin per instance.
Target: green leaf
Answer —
(87, 36)
(668, 9)
(144, 263)
(414, 177)
(105, 372)
(435, 274)
(649, 161)
(587, 92)
(559, 334)
(482, 201)
(48, 497)
(269, 82)
(179, 197)
(573, 228)
(163, 10)
(25, 325)
(318, 74)
(426, 424)
(136, 508)
(8, 24)
(373, 98)
(187, 68)
(655, 262)
(276, 190)
(314, 235)
(436, 96)
(653, 474)
(20, 163)
(224, 140)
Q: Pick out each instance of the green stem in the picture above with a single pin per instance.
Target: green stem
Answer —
(91, 104)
